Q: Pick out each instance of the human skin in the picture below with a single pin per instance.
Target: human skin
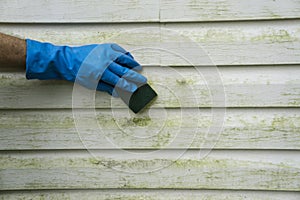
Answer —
(12, 52)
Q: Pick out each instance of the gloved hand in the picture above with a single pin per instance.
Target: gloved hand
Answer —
(95, 66)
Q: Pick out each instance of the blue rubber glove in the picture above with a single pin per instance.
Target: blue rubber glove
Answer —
(95, 66)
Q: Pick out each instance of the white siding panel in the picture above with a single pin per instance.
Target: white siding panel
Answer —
(176, 87)
(251, 170)
(236, 43)
(228, 10)
(161, 194)
(68, 11)
(161, 129)
(156, 154)
(33, 11)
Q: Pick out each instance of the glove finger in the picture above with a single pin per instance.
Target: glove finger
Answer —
(114, 80)
(106, 88)
(117, 47)
(129, 54)
(127, 61)
(126, 73)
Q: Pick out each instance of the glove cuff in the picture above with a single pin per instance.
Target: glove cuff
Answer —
(41, 60)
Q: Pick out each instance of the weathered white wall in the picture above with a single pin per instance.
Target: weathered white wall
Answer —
(256, 45)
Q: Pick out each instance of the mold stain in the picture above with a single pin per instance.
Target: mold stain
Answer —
(275, 36)
(215, 35)
(181, 82)
(161, 140)
(141, 121)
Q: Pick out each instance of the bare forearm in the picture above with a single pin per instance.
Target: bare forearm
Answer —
(12, 52)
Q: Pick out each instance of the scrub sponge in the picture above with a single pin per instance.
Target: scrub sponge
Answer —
(139, 99)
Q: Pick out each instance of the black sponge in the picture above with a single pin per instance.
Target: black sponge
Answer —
(137, 100)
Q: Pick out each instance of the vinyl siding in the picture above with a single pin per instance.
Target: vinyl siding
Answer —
(50, 150)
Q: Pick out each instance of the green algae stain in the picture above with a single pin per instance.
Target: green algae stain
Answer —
(282, 122)
(220, 9)
(275, 36)
(161, 140)
(94, 161)
(8, 79)
(207, 163)
(38, 121)
(141, 121)
(185, 81)
(218, 35)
